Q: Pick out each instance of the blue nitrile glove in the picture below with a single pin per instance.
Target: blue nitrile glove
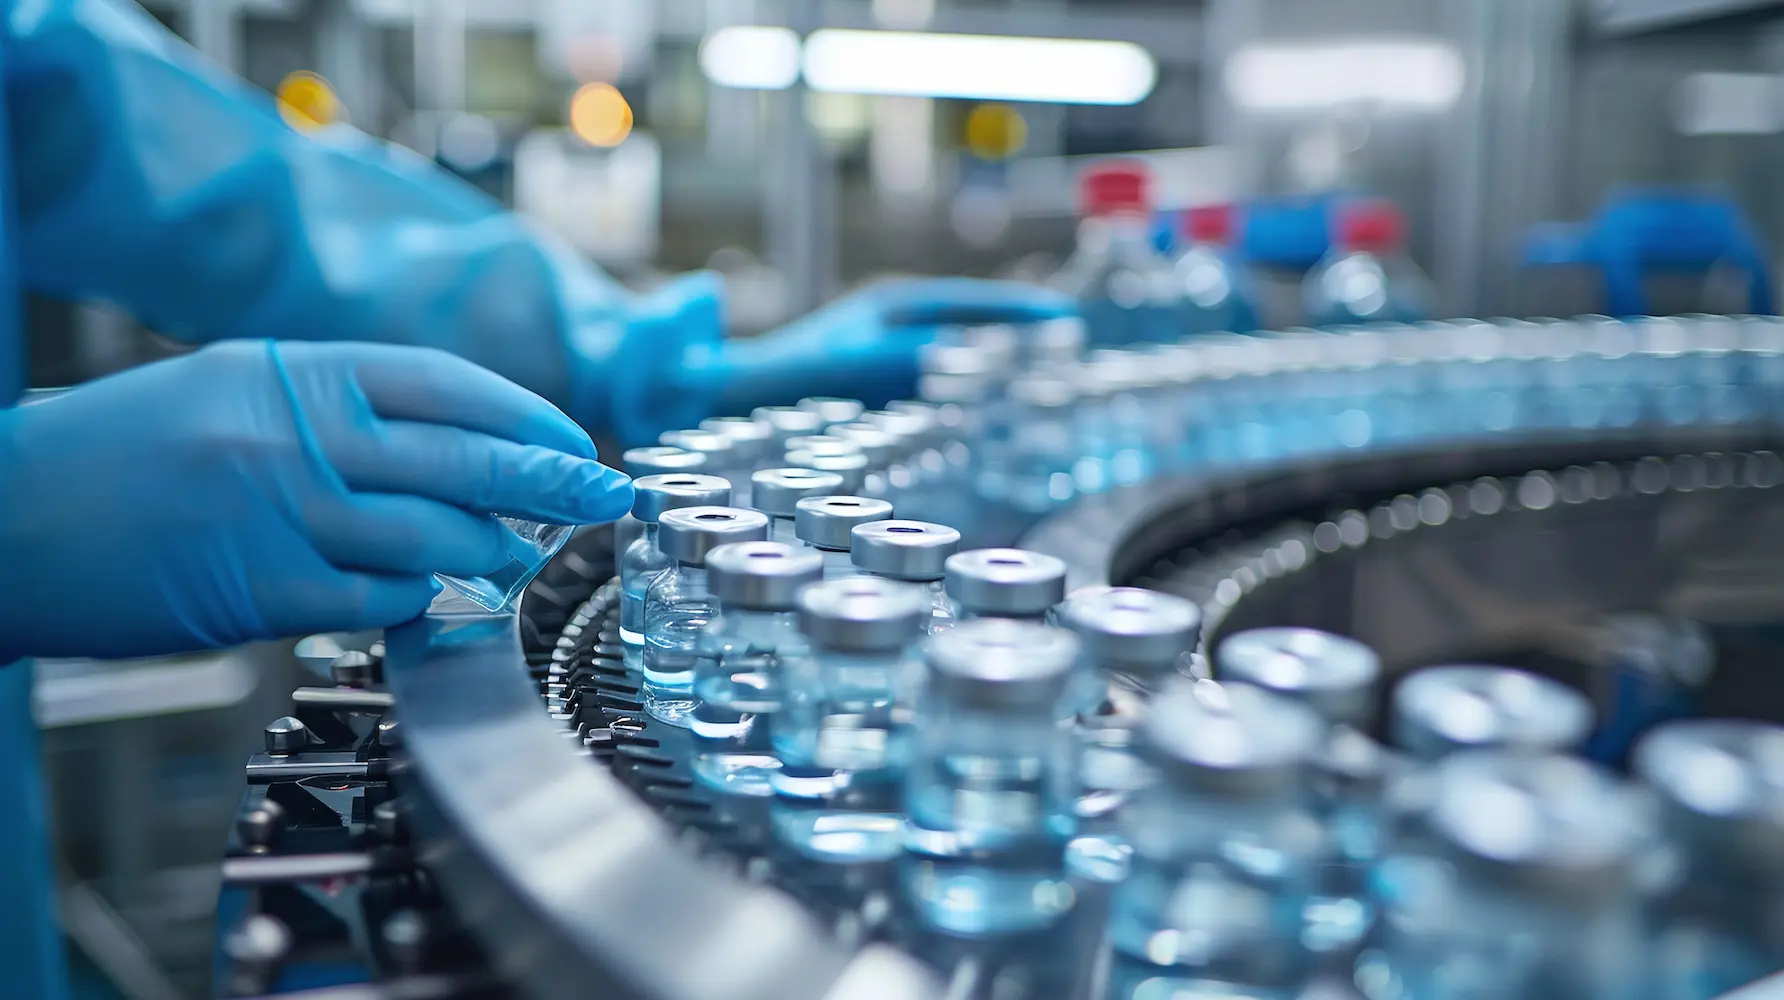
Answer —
(256, 489)
(864, 345)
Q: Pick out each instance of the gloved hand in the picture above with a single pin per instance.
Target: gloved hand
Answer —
(863, 345)
(256, 489)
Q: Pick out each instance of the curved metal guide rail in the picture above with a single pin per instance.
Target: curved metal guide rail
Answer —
(572, 883)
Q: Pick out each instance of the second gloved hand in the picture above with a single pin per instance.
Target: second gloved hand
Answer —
(257, 489)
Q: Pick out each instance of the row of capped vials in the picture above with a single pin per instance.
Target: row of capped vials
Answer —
(1018, 766)
(1013, 423)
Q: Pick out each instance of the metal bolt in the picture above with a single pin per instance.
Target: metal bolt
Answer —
(390, 733)
(387, 821)
(352, 669)
(286, 735)
(261, 825)
(405, 938)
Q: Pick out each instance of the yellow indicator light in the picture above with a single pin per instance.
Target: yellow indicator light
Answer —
(995, 131)
(307, 102)
(599, 115)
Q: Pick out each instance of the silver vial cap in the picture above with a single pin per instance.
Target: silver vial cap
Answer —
(761, 576)
(716, 447)
(1722, 783)
(1232, 738)
(825, 522)
(660, 459)
(824, 445)
(912, 427)
(1330, 674)
(776, 491)
(852, 468)
(1043, 393)
(749, 439)
(1129, 630)
(863, 614)
(787, 421)
(998, 663)
(1013, 582)
(833, 409)
(652, 496)
(1538, 820)
(1441, 709)
(879, 446)
(687, 534)
(903, 550)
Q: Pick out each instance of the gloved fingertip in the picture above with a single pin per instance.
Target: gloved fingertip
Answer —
(604, 495)
(559, 433)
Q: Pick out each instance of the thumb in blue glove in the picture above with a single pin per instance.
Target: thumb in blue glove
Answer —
(257, 489)
(864, 345)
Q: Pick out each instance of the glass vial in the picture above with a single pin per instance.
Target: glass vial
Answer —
(643, 561)
(824, 523)
(911, 551)
(640, 462)
(679, 604)
(1003, 583)
(777, 492)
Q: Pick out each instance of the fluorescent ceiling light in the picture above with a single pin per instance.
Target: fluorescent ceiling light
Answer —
(751, 57)
(1408, 73)
(979, 67)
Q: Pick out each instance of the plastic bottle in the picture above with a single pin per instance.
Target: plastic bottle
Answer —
(1521, 881)
(912, 551)
(640, 462)
(840, 745)
(737, 678)
(1213, 295)
(643, 561)
(1125, 288)
(777, 492)
(989, 788)
(1134, 642)
(1442, 709)
(1339, 679)
(1004, 583)
(1721, 788)
(679, 604)
(1367, 278)
(824, 523)
(1224, 848)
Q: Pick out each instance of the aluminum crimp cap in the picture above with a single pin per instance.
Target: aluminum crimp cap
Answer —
(1013, 582)
(750, 440)
(654, 495)
(715, 446)
(1722, 782)
(825, 522)
(775, 492)
(1539, 820)
(912, 427)
(999, 663)
(1440, 709)
(878, 445)
(852, 468)
(1129, 630)
(824, 445)
(686, 535)
(903, 550)
(787, 421)
(761, 576)
(863, 614)
(833, 409)
(1333, 675)
(659, 459)
(1228, 737)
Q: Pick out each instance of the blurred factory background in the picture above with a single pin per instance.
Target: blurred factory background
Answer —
(802, 147)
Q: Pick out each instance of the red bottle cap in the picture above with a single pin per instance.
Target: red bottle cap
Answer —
(1212, 224)
(1116, 187)
(1371, 226)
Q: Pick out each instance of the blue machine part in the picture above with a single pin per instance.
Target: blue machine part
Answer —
(1639, 230)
